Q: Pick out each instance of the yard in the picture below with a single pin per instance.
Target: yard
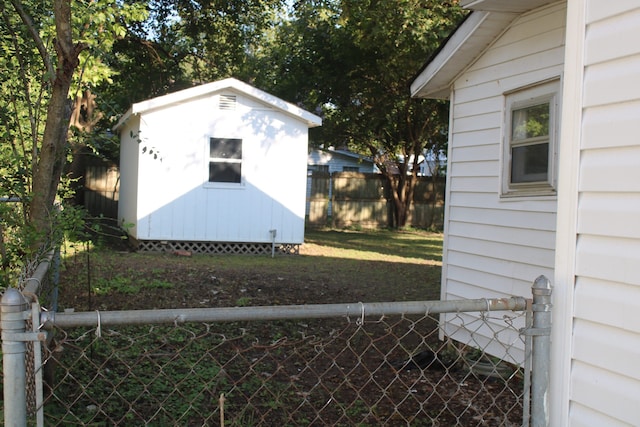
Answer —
(333, 267)
(367, 371)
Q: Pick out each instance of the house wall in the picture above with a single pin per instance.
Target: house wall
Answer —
(604, 379)
(175, 201)
(497, 246)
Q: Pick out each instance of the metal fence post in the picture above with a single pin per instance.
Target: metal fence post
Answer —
(13, 315)
(541, 352)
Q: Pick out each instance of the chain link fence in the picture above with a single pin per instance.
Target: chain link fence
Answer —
(338, 364)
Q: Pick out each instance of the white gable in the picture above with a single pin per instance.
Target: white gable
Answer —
(230, 85)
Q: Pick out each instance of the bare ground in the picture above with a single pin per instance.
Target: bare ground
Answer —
(112, 280)
(116, 279)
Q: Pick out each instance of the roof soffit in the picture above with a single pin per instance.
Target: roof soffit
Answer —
(471, 38)
(489, 19)
(506, 6)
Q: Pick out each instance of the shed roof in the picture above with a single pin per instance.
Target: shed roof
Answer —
(236, 85)
(489, 18)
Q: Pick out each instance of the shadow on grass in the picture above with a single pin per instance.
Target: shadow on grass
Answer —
(408, 244)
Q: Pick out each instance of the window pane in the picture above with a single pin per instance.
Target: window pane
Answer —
(224, 172)
(530, 122)
(529, 163)
(225, 148)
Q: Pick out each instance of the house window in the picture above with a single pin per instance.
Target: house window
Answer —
(350, 169)
(530, 145)
(225, 160)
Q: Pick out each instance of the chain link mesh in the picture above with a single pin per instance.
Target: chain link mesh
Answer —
(395, 370)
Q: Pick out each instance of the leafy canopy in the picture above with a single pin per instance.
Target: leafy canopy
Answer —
(353, 61)
(49, 52)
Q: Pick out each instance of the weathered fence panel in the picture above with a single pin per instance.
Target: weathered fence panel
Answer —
(101, 190)
(427, 209)
(319, 196)
(359, 199)
(351, 199)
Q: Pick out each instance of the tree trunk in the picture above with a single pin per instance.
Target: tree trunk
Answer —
(51, 158)
(50, 162)
(402, 189)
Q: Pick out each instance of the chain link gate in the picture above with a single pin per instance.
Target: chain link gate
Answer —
(337, 364)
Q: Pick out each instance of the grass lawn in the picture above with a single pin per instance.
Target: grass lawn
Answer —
(333, 266)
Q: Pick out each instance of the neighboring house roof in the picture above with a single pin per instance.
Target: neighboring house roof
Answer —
(326, 155)
(233, 84)
(348, 153)
(489, 18)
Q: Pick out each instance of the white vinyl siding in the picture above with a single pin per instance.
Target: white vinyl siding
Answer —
(501, 245)
(604, 374)
(496, 247)
(592, 228)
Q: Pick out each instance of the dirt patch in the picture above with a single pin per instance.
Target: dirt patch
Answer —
(116, 280)
(279, 372)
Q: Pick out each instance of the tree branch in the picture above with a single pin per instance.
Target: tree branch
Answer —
(28, 22)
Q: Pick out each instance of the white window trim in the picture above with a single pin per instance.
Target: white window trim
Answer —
(548, 91)
(207, 160)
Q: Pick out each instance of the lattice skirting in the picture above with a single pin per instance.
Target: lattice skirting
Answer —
(217, 247)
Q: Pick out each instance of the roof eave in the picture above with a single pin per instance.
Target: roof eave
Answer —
(123, 120)
(515, 6)
(349, 154)
(460, 50)
(311, 120)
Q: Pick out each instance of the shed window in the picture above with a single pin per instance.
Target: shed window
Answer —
(225, 160)
(530, 145)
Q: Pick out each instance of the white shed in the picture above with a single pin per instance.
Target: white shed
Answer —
(544, 178)
(219, 167)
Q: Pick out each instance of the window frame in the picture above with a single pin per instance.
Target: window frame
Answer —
(209, 160)
(530, 96)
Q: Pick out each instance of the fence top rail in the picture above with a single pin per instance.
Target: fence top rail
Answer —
(33, 283)
(311, 311)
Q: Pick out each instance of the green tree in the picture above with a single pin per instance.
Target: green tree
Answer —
(70, 68)
(354, 60)
(185, 43)
(49, 50)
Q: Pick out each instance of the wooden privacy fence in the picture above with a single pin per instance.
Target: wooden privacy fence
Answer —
(346, 199)
(101, 190)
